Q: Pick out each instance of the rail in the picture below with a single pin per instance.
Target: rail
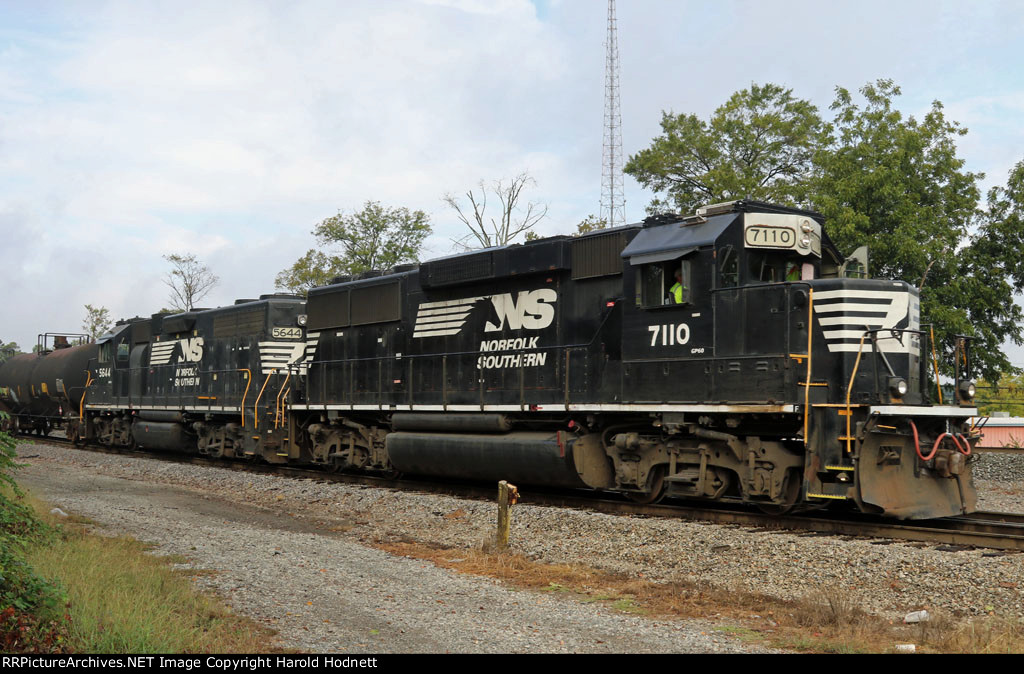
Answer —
(992, 530)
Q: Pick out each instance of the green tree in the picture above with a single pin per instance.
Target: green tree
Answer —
(1005, 396)
(759, 145)
(882, 179)
(8, 350)
(591, 223)
(309, 271)
(97, 321)
(189, 281)
(896, 184)
(377, 237)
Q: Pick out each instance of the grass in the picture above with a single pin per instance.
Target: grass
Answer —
(827, 620)
(122, 600)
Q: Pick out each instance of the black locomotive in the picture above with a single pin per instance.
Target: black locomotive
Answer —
(719, 356)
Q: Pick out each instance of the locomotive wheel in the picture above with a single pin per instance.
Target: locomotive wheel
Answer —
(656, 482)
(791, 496)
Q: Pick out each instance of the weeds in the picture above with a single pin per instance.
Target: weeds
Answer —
(828, 620)
(123, 600)
(31, 607)
(65, 590)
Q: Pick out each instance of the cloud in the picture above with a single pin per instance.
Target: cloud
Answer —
(131, 130)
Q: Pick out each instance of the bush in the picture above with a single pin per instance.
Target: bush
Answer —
(30, 606)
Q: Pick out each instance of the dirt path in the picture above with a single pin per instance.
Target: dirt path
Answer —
(324, 592)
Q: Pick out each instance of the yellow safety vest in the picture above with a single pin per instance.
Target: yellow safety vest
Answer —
(677, 292)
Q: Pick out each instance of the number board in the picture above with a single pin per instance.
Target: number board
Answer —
(287, 333)
(768, 236)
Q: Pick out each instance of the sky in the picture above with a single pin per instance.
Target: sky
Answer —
(134, 130)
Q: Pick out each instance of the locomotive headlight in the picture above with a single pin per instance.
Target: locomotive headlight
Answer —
(967, 390)
(806, 227)
(898, 387)
(805, 242)
(302, 320)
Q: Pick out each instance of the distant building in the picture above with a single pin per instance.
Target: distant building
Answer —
(1002, 431)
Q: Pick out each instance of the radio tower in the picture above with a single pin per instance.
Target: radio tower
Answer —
(613, 201)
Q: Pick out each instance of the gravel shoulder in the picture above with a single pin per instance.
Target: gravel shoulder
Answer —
(293, 555)
(885, 577)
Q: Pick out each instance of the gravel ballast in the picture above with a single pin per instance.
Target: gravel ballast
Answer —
(1000, 480)
(889, 578)
(314, 582)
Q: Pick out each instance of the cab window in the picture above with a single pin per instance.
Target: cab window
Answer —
(764, 268)
(122, 350)
(776, 268)
(106, 352)
(657, 283)
(728, 267)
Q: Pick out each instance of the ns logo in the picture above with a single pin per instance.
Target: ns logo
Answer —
(532, 309)
(191, 351)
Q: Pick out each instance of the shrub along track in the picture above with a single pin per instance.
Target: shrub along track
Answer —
(1000, 531)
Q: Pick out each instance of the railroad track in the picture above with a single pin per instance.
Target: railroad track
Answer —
(993, 530)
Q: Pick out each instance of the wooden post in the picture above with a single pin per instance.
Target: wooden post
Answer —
(508, 494)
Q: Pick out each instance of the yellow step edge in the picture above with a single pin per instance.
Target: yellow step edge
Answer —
(826, 496)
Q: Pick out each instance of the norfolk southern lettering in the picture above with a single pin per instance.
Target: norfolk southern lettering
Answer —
(511, 359)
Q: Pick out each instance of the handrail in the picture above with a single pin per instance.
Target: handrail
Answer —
(81, 401)
(277, 405)
(255, 405)
(849, 389)
(248, 381)
(807, 377)
(935, 362)
(284, 404)
(856, 365)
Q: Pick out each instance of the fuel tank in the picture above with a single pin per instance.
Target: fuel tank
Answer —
(540, 458)
(456, 423)
(161, 435)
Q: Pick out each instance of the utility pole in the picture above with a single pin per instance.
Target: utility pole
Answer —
(613, 200)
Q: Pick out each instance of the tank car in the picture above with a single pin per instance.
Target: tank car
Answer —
(42, 390)
(719, 356)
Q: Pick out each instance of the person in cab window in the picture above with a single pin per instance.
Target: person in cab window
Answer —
(676, 291)
(793, 271)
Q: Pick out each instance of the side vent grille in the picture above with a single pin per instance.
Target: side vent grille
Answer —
(595, 256)
(239, 323)
(457, 270)
(327, 310)
(377, 304)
